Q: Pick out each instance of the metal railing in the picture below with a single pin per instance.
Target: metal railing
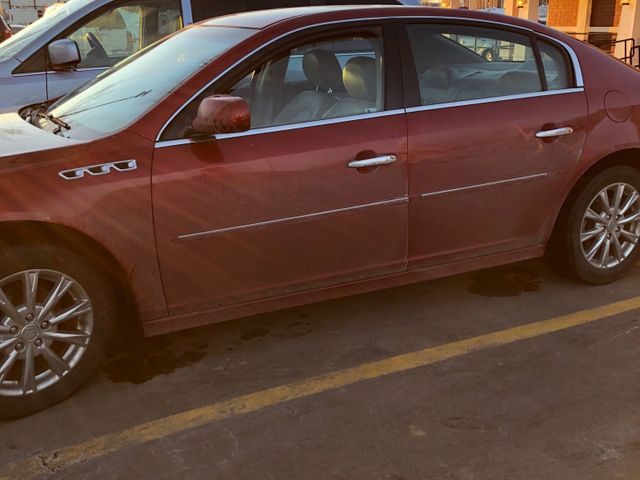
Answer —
(631, 50)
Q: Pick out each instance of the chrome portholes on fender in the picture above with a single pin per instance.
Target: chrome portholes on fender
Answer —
(46, 325)
(611, 226)
(100, 169)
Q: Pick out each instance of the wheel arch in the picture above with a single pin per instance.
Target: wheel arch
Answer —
(629, 157)
(13, 232)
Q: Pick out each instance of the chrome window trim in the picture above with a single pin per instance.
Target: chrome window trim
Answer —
(506, 98)
(284, 128)
(89, 69)
(366, 116)
(484, 185)
(576, 64)
(193, 236)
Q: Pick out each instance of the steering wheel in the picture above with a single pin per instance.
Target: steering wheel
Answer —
(95, 44)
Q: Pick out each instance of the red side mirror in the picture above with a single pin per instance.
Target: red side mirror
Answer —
(222, 114)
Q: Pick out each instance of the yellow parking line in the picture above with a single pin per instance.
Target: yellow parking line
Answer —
(163, 427)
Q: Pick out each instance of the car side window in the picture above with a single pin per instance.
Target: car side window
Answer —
(458, 63)
(122, 31)
(556, 66)
(328, 78)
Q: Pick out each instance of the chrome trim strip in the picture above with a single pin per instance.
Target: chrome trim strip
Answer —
(59, 72)
(506, 98)
(28, 74)
(281, 128)
(488, 184)
(192, 236)
(99, 169)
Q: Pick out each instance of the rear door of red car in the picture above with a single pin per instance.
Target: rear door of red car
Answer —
(283, 208)
(481, 180)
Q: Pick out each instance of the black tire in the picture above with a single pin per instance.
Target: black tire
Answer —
(102, 299)
(568, 247)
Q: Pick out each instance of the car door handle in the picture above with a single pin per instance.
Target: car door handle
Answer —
(373, 162)
(556, 132)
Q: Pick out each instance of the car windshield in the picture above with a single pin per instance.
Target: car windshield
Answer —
(24, 37)
(123, 94)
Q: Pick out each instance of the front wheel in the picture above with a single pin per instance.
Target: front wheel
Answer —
(599, 236)
(55, 326)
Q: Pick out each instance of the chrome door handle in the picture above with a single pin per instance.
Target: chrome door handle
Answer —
(557, 132)
(373, 162)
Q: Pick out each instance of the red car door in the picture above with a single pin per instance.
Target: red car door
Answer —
(315, 194)
(491, 143)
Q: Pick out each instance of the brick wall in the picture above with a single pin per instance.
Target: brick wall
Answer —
(605, 13)
(563, 13)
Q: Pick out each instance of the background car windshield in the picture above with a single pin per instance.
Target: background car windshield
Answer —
(24, 37)
(123, 94)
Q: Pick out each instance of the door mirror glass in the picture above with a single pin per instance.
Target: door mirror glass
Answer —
(222, 114)
(63, 54)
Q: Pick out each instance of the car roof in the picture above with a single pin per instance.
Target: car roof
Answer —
(263, 19)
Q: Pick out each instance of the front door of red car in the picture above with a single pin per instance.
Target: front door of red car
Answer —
(491, 142)
(314, 195)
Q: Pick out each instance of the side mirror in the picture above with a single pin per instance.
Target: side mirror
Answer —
(222, 114)
(63, 54)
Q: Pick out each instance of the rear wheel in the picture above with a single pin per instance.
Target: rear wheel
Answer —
(600, 233)
(56, 324)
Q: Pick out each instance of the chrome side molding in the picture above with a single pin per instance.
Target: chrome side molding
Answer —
(100, 169)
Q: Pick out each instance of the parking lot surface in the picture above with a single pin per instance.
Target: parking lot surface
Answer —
(509, 373)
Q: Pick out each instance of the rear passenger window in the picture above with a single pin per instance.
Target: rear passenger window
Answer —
(556, 66)
(458, 63)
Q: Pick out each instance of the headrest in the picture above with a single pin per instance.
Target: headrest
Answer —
(323, 68)
(437, 77)
(516, 81)
(360, 78)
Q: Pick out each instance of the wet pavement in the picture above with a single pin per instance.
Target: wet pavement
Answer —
(563, 406)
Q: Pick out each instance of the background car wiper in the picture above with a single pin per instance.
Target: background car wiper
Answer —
(37, 113)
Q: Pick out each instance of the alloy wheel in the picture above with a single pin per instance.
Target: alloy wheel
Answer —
(610, 226)
(46, 322)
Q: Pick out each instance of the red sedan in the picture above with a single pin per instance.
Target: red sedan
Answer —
(271, 159)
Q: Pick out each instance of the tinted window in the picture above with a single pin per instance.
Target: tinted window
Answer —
(556, 66)
(336, 77)
(457, 63)
(203, 9)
